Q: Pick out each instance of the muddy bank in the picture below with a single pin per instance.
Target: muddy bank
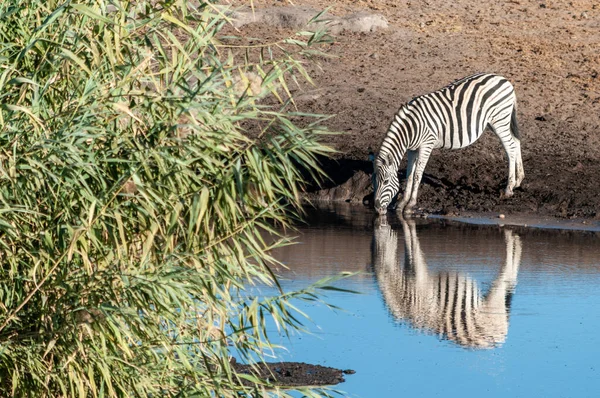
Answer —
(453, 193)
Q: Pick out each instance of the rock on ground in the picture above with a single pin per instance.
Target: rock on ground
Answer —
(294, 374)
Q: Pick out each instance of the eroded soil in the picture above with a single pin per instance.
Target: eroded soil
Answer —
(549, 49)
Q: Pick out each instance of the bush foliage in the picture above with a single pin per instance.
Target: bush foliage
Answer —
(133, 202)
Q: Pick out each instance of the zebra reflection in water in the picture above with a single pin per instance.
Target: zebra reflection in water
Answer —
(449, 304)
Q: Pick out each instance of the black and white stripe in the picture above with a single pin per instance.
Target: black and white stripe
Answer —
(453, 117)
(447, 303)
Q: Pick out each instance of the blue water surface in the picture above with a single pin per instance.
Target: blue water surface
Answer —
(551, 345)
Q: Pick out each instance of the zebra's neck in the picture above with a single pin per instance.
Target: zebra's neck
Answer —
(398, 137)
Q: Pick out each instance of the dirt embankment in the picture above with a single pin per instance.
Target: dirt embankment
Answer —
(549, 50)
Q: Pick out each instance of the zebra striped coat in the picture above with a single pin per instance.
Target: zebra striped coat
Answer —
(453, 117)
(449, 304)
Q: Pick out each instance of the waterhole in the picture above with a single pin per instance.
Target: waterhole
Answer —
(448, 309)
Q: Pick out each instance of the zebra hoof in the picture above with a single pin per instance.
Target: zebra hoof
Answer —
(506, 194)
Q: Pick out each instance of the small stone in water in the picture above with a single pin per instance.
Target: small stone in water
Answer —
(501, 216)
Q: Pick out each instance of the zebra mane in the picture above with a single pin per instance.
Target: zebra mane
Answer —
(464, 79)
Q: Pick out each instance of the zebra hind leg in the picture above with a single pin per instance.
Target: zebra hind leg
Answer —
(512, 182)
(512, 149)
(514, 129)
(519, 165)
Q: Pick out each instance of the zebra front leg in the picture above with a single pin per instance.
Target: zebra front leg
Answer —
(420, 163)
(411, 158)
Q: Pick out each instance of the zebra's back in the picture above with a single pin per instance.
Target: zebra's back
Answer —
(459, 113)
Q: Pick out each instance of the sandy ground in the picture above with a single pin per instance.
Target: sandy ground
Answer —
(549, 50)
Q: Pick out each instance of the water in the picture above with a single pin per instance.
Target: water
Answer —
(450, 310)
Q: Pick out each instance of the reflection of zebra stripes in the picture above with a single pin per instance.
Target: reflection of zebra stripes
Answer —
(453, 117)
(447, 303)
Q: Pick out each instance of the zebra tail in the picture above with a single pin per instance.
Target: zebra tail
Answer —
(513, 124)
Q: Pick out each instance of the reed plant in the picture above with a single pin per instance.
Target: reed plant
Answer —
(135, 201)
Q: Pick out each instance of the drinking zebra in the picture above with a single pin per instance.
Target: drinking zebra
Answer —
(453, 117)
(449, 304)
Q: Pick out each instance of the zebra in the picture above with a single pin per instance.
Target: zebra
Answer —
(449, 304)
(452, 117)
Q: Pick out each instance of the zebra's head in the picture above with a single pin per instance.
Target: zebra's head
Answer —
(387, 184)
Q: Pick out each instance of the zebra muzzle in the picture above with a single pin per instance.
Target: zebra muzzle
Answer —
(381, 210)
